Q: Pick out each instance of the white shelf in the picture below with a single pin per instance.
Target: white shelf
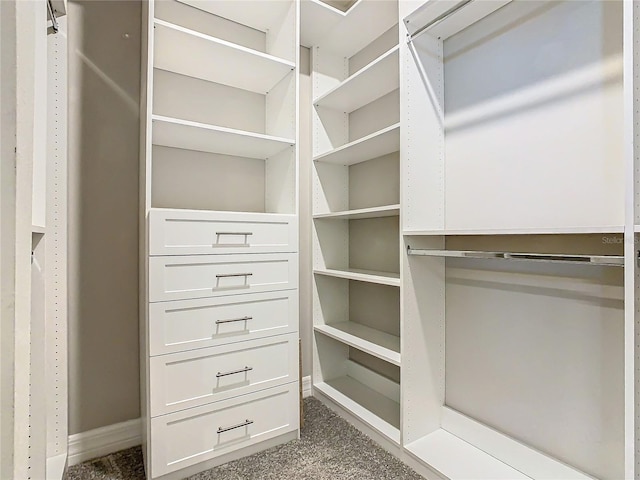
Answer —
(456, 459)
(172, 132)
(38, 229)
(373, 212)
(370, 276)
(369, 340)
(316, 20)
(366, 85)
(259, 14)
(360, 25)
(517, 455)
(56, 466)
(373, 408)
(377, 144)
(215, 60)
(521, 231)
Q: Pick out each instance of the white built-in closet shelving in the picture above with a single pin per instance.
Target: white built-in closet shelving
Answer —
(518, 139)
(356, 140)
(219, 212)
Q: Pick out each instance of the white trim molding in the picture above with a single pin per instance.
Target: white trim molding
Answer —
(104, 440)
(307, 390)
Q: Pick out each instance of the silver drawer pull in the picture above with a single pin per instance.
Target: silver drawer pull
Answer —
(242, 319)
(242, 370)
(224, 275)
(240, 425)
(235, 233)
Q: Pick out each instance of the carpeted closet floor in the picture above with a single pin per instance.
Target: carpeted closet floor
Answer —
(329, 449)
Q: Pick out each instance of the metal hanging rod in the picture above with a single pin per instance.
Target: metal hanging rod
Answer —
(595, 260)
(52, 17)
(437, 20)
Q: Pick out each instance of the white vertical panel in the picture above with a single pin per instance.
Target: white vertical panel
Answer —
(280, 182)
(422, 136)
(631, 51)
(422, 339)
(7, 231)
(56, 245)
(25, 113)
(280, 111)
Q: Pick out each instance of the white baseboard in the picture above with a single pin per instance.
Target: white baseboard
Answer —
(104, 440)
(306, 387)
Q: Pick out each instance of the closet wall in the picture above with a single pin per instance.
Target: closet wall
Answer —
(104, 81)
(104, 92)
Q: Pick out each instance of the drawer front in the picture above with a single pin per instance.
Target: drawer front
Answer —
(189, 379)
(201, 276)
(189, 324)
(192, 436)
(193, 232)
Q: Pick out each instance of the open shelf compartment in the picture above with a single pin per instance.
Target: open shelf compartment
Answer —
(371, 397)
(373, 81)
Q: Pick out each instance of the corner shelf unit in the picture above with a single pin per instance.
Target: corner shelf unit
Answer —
(356, 211)
(219, 191)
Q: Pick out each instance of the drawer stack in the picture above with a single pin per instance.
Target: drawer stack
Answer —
(222, 333)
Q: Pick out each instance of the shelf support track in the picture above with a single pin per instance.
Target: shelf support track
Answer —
(594, 260)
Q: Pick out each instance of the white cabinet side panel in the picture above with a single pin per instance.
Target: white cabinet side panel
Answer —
(56, 244)
(422, 135)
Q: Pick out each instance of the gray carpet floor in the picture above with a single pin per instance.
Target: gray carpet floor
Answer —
(329, 449)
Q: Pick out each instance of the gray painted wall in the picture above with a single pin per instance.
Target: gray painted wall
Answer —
(104, 83)
(104, 91)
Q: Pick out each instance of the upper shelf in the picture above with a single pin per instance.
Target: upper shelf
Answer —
(444, 18)
(258, 14)
(316, 19)
(172, 132)
(215, 60)
(366, 85)
(346, 33)
(377, 144)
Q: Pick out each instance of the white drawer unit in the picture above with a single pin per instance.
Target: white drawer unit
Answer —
(189, 324)
(200, 276)
(191, 436)
(201, 232)
(194, 378)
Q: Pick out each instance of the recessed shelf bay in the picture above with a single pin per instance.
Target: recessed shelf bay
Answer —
(377, 144)
(176, 133)
(373, 408)
(371, 276)
(215, 60)
(369, 340)
(366, 85)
